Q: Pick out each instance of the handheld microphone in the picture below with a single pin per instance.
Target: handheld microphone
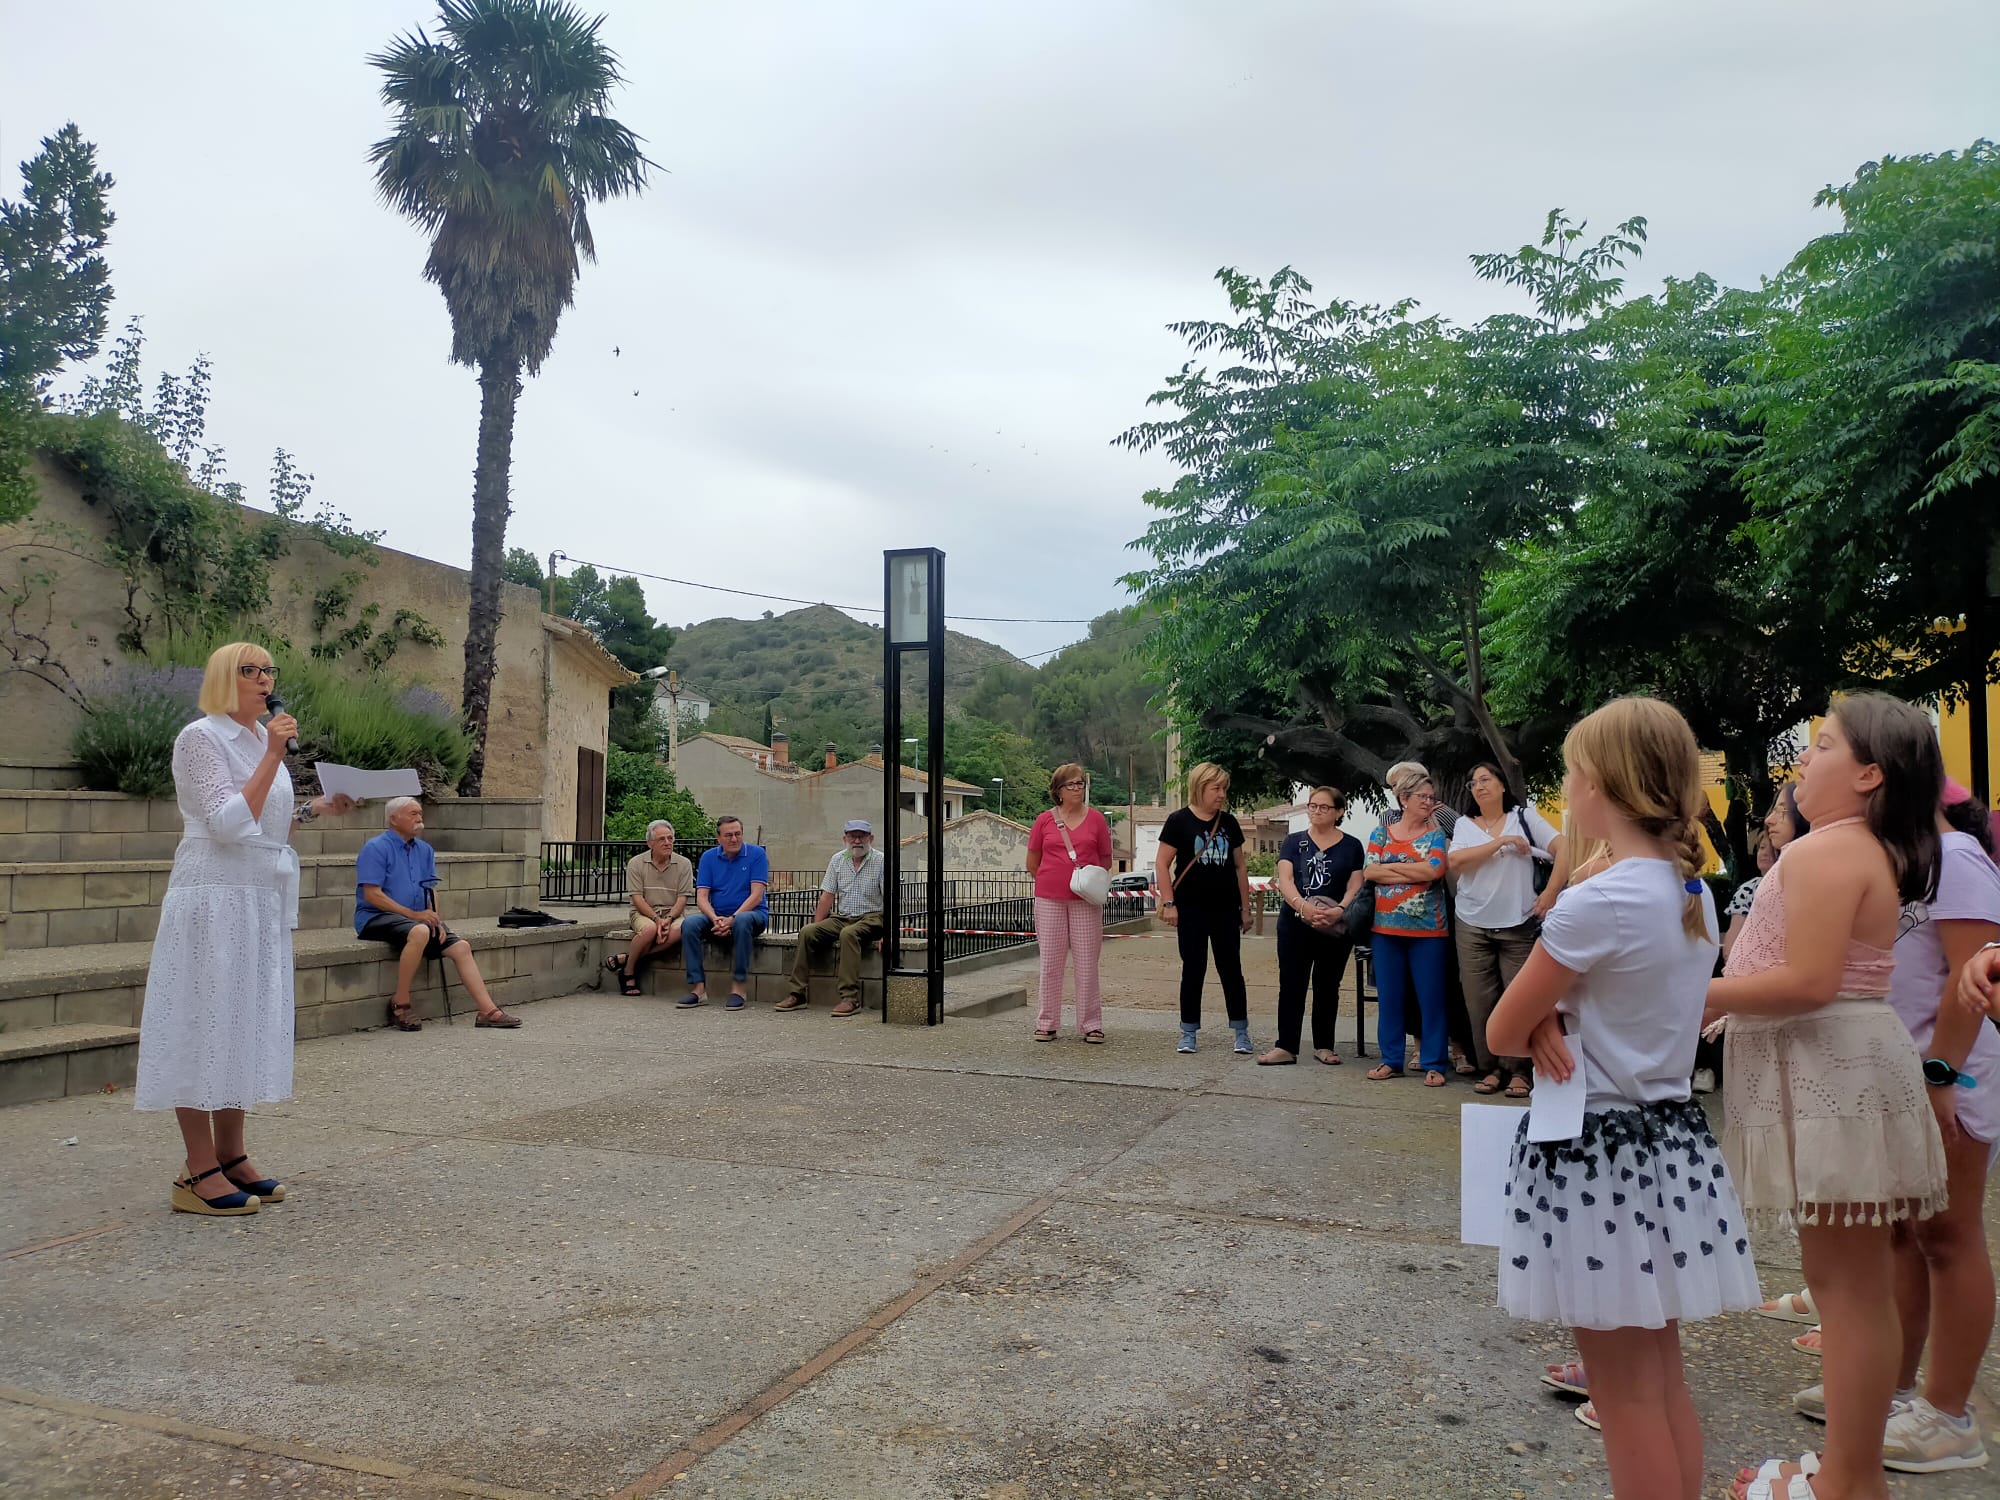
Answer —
(277, 706)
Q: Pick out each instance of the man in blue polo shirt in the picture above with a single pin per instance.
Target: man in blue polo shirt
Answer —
(729, 886)
(394, 875)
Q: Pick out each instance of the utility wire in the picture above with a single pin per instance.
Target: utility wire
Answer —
(864, 609)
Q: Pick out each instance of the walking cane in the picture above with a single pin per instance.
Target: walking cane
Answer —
(444, 985)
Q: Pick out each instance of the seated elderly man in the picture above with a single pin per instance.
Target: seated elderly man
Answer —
(729, 888)
(849, 914)
(395, 874)
(660, 884)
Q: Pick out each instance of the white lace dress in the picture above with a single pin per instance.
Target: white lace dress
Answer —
(217, 1028)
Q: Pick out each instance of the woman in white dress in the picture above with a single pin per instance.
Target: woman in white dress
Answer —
(216, 1034)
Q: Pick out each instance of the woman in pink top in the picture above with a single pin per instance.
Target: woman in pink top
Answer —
(1828, 1126)
(1066, 837)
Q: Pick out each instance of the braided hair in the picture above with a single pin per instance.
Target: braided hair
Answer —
(1644, 759)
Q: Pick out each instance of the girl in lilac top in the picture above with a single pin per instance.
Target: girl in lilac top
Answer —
(1944, 1280)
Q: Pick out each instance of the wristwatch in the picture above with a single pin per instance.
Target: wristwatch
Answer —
(1165, 905)
(1940, 1074)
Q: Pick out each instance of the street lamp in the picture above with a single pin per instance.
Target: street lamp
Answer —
(1001, 782)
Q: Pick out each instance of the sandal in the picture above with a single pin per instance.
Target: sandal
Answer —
(1808, 1342)
(1569, 1378)
(1328, 1056)
(1045, 1036)
(1517, 1087)
(264, 1189)
(628, 984)
(1490, 1084)
(1587, 1414)
(616, 962)
(1381, 1071)
(1762, 1483)
(1095, 1038)
(401, 1019)
(1277, 1057)
(499, 1019)
(1434, 1079)
(187, 1201)
(1793, 1307)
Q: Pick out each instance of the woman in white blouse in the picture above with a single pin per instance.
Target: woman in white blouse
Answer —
(216, 1034)
(1494, 846)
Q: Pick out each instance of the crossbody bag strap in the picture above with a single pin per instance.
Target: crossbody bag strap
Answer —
(1063, 829)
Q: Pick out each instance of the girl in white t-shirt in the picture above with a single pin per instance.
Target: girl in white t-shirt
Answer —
(1632, 1225)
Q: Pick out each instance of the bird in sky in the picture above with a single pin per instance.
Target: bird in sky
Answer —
(614, 351)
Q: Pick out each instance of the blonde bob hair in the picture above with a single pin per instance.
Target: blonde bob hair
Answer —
(224, 671)
(1643, 757)
(1069, 770)
(1202, 777)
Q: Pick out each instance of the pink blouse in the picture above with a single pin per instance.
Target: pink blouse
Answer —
(1093, 847)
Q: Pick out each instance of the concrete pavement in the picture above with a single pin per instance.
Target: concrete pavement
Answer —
(628, 1250)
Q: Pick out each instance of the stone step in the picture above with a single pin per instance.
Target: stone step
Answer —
(80, 1006)
(42, 826)
(53, 1062)
(55, 905)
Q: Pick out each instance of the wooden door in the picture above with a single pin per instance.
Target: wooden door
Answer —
(589, 795)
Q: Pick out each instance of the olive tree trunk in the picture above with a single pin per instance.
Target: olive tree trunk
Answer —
(499, 388)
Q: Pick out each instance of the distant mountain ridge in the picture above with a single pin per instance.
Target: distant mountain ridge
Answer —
(818, 671)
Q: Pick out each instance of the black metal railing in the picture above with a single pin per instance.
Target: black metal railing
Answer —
(982, 910)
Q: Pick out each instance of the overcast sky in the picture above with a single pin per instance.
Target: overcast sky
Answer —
(906, 271)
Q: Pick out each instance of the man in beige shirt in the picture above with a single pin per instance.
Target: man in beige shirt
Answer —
(660, 883)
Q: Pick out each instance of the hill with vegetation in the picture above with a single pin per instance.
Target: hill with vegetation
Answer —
(815, 674)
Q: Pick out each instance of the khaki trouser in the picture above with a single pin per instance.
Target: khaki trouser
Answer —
(851, 933)
(1488, 960)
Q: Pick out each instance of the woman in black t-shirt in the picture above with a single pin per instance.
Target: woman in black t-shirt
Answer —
(1205, 895)
(1319, 872)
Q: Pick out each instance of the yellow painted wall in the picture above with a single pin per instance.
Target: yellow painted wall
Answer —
(1955, 735)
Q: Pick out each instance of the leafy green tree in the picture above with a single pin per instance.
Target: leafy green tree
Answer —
(55, 290)
(523, 567)
(55, 285)
(1877, 483)
(1351, 482)
(1659, 585)
(977, 750)
(638, 789)
(615, 611)
(500, 140)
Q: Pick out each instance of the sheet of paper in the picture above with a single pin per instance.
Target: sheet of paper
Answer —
(1555, 1113)
(1485, 1140)
(363, 786)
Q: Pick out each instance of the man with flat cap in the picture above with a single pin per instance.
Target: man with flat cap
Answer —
(849, 913)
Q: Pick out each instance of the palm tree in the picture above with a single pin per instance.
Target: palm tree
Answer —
(499, 140)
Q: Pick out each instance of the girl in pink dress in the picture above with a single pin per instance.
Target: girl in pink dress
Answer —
(1828, 1126)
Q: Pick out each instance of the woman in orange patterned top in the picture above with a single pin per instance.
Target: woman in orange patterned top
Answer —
(1406, 862)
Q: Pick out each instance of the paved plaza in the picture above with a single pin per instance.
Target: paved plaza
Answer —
(630, 1251)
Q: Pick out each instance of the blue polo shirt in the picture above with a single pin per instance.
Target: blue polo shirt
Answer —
(727, 880)
(400, 866)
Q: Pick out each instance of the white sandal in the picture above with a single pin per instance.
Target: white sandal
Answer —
(1797, 1487)
(1788, 1308)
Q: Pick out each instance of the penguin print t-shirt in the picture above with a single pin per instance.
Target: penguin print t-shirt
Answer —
(1204, 859)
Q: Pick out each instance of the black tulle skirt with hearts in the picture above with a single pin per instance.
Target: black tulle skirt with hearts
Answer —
(1633, 1224)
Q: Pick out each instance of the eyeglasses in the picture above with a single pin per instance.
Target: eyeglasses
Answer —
(250, 669)
(1323, 807)
(1063, 786)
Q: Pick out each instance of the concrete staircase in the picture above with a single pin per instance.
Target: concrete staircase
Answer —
(82, 875)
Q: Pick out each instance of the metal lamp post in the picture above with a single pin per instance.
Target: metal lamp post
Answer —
(1001, 782)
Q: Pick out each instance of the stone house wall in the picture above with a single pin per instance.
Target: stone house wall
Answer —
(84, 607)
